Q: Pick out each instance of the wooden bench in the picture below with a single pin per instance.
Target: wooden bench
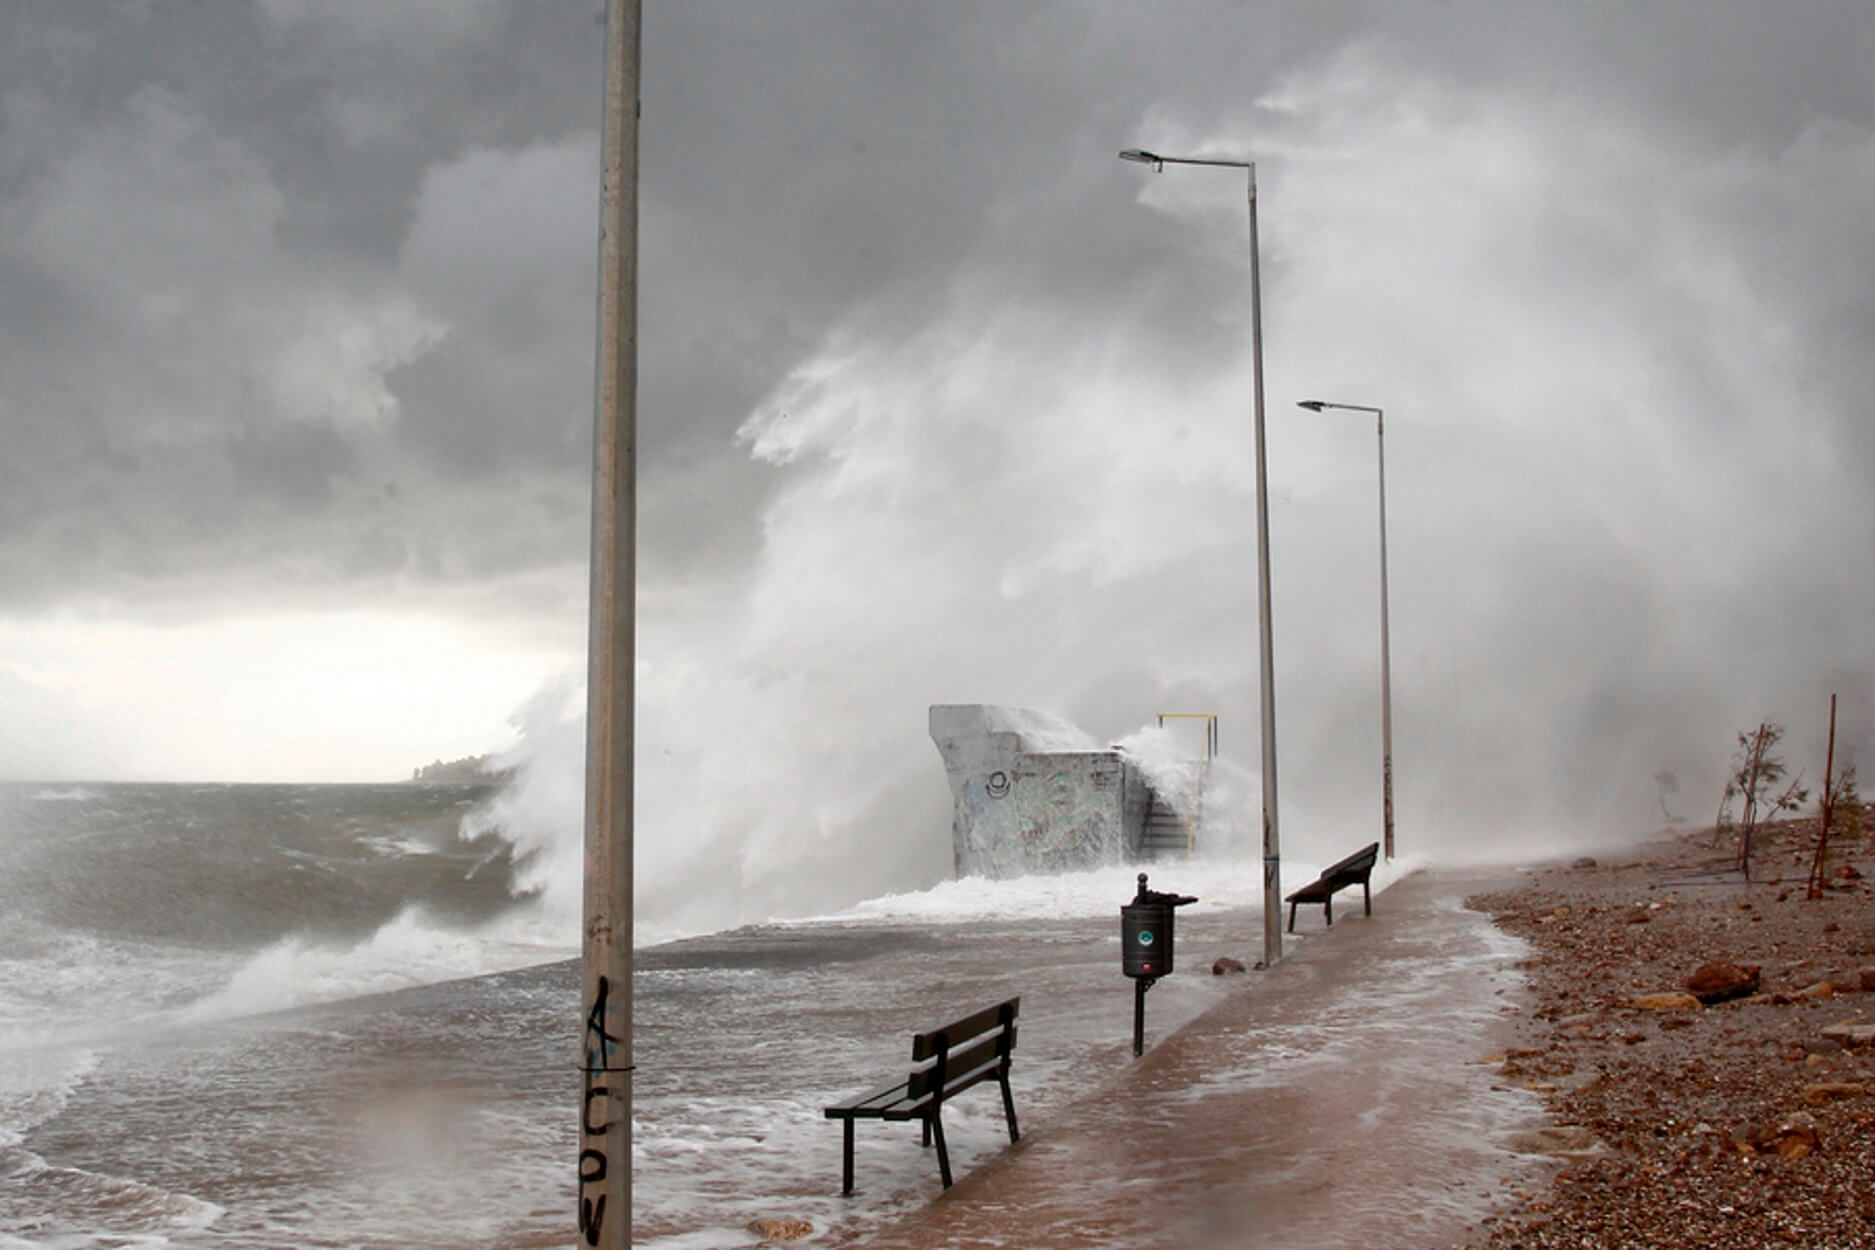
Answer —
(945, 1062)
(1354, 870)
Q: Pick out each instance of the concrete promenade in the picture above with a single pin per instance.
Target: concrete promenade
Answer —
(1338, 1101)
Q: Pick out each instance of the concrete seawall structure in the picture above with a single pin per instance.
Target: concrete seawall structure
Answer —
(1031, 793)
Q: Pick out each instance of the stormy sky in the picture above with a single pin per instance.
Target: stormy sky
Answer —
(940, 402)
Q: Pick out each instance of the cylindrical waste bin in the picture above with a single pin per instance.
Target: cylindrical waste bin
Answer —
(1146, 946)
(1146, 939)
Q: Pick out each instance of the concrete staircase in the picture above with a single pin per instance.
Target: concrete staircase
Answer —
(1167, 835)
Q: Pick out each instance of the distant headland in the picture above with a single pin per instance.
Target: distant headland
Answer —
(469, 770)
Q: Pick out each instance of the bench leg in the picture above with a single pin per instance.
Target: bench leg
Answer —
(1367, 897)
(1009, 1108)
(1328, 910)
(846, 1162)
(936, 1125)
(1292, 917)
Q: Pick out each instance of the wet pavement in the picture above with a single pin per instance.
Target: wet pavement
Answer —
(1338, 1101)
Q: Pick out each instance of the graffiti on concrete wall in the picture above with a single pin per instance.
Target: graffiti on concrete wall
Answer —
(1027, 799)
(1046, 813)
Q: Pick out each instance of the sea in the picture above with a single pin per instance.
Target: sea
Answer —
(340, 1015)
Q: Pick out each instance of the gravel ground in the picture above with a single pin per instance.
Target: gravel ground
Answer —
(1741, 1123)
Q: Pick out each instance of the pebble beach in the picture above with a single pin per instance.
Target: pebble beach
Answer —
(1703, 1043)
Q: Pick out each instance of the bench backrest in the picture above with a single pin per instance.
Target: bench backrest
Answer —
(1356, 865)
(962, 1047)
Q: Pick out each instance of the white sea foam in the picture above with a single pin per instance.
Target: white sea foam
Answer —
(1092, 892)
(412, 949)
(50, 977)
(35, 1085)
(113, 1210)
(66, 794)
(417, 949)
(393, 845)
(1219, 884)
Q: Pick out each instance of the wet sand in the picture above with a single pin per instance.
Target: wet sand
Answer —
(1340, 1101)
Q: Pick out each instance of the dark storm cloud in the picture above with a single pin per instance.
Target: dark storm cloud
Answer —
(298, 296)
(204, 168)
(204, 211)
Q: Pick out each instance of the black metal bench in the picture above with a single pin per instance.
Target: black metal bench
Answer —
(946, 1061)
(1352, 871)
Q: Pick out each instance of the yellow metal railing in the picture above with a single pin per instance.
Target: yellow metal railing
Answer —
(1194, 812)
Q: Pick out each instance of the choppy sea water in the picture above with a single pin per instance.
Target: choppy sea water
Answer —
(297, 1016)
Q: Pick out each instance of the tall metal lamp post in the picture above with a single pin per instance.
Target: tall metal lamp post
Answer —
(1386, 672)
(1272, 851)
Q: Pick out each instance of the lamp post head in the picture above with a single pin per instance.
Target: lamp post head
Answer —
(1141, 157)
(1323, 405)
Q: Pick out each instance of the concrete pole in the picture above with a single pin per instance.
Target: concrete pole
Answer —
(605, 1201)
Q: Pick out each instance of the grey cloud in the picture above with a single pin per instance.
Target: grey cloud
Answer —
(262, 264)
(502, 245)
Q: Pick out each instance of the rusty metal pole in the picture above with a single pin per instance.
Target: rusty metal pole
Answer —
(1815, 890)
(605, 1195)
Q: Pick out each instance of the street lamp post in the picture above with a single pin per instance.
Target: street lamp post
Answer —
(1386, 671)
(1272, 851)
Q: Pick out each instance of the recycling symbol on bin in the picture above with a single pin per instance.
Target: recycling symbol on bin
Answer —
(1145, 937)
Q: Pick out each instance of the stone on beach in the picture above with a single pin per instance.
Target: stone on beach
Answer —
(1557, 1139)
(1719, 981)
(1851, 1033)
(771, 1229)
(1790, 1138)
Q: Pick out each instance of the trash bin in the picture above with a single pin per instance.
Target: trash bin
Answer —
(1146, 939)
(1147, 942)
